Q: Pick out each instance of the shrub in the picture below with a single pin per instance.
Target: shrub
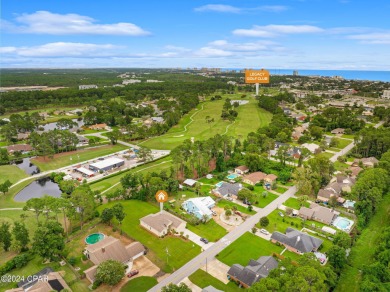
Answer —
(251, 188)
(72, 261)
(84, 257)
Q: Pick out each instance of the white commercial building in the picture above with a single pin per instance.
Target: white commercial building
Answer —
(107, 164)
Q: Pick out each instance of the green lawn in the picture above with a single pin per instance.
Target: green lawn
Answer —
(295, 204)
(363, 250)
(63, 159)
(222, 203)
(202, 279)
(7, 200)
(262, 202)
(156, 166)
(247, 247)
(140, 284)
(340, 166)
(12, 173)
(180, 251)
(250, 118)
(211, 230)
(342, 143)
(280, 190)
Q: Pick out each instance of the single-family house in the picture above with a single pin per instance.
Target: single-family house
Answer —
(254, 178)
(325, 195)
(227, 189)
(367, 162)
(297, 241)
(23, 136)
(199, 207)
(158, 120)
(190, 182)
(98, 127)
(355, 170)
(318, 213)
(338, 131)
(82, 140)
(345, 182)
(313, 148)
(111, 248)
(45, 280)
(242, 169)
(23, 148)
(270, 178)
(253, 272)
(161, 222)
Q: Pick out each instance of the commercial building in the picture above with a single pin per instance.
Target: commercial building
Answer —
(107, 164)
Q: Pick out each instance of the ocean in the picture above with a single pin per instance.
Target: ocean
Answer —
(346, 74)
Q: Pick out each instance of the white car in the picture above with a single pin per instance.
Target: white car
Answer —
(264, 231)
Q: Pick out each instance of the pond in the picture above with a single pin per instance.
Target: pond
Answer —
(52, 126)
(27, 166)
(37, 189)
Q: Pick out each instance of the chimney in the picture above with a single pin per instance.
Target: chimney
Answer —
(103, 249)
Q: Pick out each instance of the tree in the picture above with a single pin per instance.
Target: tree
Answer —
(342, 239)
(83, 200)
(176, 288)
(107, 216)
(246, 195)
(36, 204)
(228, 213)
(306, 181)
(264, 221)
(49, 240)
(21, 235)
(4, 187)
(114, 136)
(118, 212)
(110, 272)
(337, 258)
(5, 236)
(145, 154)
(266, 285)
(316, 132)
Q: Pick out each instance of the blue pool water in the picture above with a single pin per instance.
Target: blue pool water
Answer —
(232, 176)
(94, 238)
(219, 184)
(343, 223)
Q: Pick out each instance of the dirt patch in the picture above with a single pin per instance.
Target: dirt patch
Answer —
(45, 158)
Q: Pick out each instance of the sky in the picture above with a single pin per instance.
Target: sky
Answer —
(283, 34)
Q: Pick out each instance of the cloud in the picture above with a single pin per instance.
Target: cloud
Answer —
(62, 49)
(273, 30)
(232, 9)
(209, 52)
(45, 22)
(372, 38)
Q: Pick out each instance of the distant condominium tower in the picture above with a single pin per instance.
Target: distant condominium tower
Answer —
(295, 73)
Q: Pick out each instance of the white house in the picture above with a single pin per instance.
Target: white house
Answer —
(189, 182)
(313, 148)
(199, 207)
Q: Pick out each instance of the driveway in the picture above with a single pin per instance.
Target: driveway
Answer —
(218, 270)
(196, 239)
(218, 220)
(191, 285)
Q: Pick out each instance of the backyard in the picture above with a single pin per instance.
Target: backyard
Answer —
(210, 230)
(295, 204)
(179, 250)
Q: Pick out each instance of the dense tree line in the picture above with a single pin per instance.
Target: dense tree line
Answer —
(332, 118)
(372, 142)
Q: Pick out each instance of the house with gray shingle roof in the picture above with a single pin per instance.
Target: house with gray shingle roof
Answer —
(227, 189)
(253, 272)
(297, 241)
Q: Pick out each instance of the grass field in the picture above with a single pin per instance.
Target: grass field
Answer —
(140, 284)
(342, 143)
(265, 201)
(7, 200)
(12, 173)
(242, 209)
(363, 250)
(247, 247)
(202, 279)
(156, 166)
(180, 251)
(295, 204)
(211, 230)
(250, 118)
(64, 159)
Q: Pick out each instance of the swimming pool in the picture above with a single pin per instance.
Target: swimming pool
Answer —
(342, 223)
(232, 176)
(219, 184)
(94, 238)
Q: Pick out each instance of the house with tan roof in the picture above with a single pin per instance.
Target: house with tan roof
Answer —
(23, 148)
(318, 213)
(98, 127)
(367, 162)
(254, 178)
(355, 170)
(270, 178)
(161, 222)
(241, 169)
(53, 281)
(338, 131)
(111, 248)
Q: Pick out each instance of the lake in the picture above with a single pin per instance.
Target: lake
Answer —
(38, 189)
(27, 166)
(52, 126)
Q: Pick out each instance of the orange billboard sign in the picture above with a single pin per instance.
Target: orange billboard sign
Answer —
(257, 76)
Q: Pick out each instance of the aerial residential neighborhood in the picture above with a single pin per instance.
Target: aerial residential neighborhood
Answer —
(174, 146)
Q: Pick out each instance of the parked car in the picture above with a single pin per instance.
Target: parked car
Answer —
(281, 214)
(238, 213)
(204, 240)
(229, 198)
(246, 202)
(264, 231)
(132, 273)
(214, 213)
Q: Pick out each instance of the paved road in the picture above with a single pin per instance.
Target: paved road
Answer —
(197, 262)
